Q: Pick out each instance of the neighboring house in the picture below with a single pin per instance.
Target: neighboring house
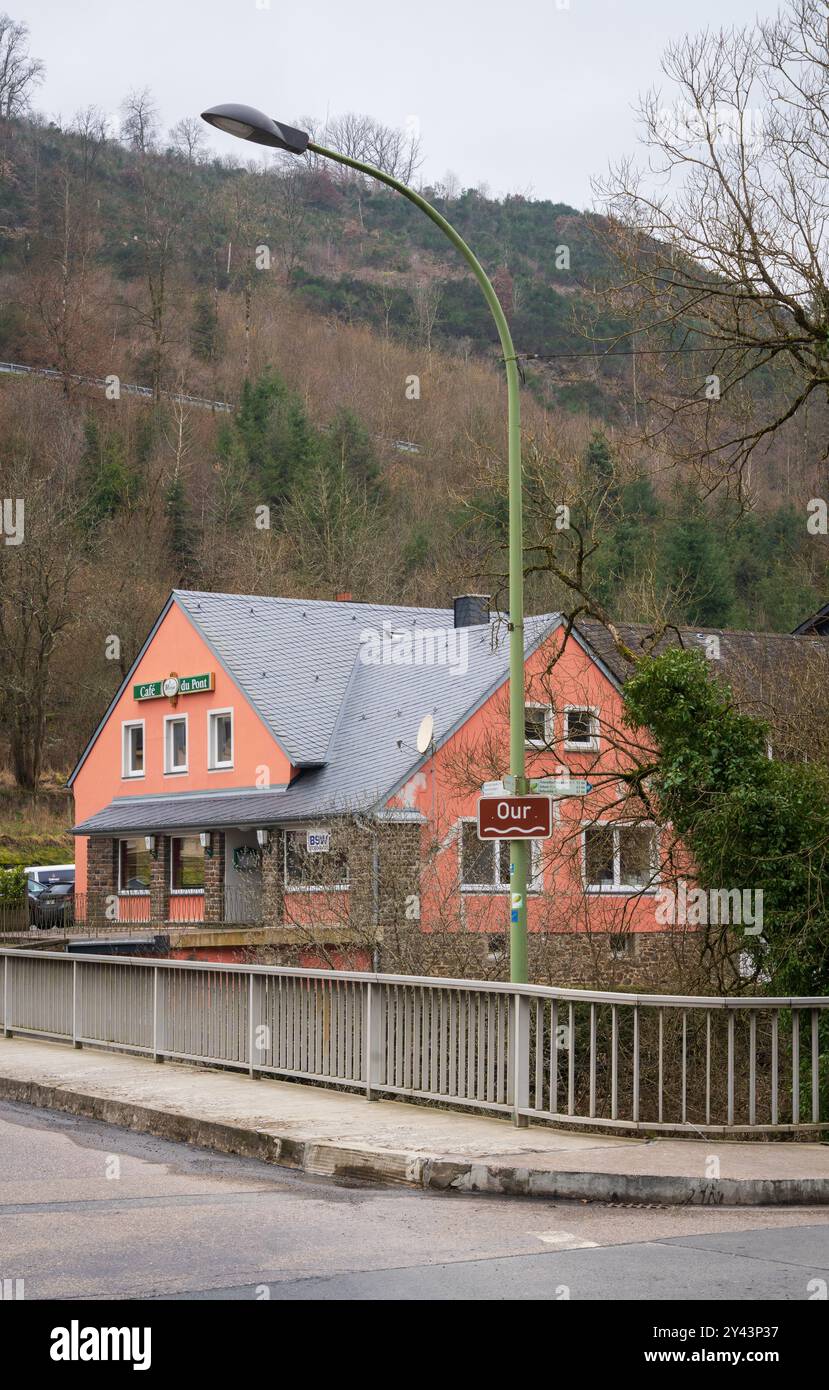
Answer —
(259, 764)
(816, 626)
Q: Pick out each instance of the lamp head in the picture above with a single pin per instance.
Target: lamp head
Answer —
(249, 124)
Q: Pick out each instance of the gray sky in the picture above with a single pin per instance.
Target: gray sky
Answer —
(530, 97)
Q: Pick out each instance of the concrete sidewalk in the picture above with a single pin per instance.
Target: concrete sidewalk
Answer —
(339, 1134)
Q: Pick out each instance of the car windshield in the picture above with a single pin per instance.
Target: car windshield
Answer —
(35, 887)
(60, 876)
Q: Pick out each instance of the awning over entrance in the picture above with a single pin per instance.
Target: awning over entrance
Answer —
(150, 814)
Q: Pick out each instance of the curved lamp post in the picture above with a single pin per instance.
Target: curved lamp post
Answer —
(249, 124)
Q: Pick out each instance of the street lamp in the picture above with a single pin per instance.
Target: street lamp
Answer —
(249, 124)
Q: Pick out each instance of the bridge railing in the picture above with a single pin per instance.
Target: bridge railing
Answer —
(690, 1065)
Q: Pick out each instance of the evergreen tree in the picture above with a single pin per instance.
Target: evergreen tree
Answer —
(280, 443)
(107, 482)
(695, 562)
(350, 449)
(204, 332)
(181, 539)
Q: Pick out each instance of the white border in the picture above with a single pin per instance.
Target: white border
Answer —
(127, 724)
(536, 880)
(629, 890)
(211, 765)
(170, 771)
(549, 726)
(185, 892)
(130, 892)
(590, 745)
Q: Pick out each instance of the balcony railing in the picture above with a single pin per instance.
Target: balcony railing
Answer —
(629, 1062)
(97, 914)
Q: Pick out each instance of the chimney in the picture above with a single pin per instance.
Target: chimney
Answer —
(472, 610)
(342, 596)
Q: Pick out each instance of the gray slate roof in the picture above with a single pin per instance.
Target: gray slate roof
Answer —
(780, 677)
(349, 725)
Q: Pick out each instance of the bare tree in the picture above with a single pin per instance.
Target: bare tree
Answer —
(139, 121)
(187, 139)
(19, 73)
(38, 598)
(427, 296)
(722, 238)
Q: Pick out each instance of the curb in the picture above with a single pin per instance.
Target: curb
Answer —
(320, 1159)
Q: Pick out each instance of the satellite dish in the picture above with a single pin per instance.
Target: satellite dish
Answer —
(425, 733)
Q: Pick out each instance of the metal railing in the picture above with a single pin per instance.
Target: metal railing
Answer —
(632, 1062)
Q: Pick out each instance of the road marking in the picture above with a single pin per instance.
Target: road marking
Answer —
(564, 1240)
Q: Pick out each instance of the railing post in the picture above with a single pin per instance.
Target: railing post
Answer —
(375, 1005)
(520, 1045)
(158, 1015)
(7, 997)
(254, 1010)
(76, 1042)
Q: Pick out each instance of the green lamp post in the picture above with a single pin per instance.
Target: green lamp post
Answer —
(249, 124)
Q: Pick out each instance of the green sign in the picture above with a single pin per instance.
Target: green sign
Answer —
(173, 686)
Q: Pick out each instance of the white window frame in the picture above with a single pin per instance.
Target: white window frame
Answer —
(536, 882)
(126, 726)
(590, 745)
(212, 764)
(129, 892)
(170, 719)
(184, 892)
(616, 887)
(548, 724)
(308, 887)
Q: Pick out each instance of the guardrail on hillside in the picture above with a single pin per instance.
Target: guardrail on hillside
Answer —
(632, 1062)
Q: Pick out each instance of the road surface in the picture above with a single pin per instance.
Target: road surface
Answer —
(91, 1211)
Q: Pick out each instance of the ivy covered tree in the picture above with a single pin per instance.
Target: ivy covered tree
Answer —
(748, 820)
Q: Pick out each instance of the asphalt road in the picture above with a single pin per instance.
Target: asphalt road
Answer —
(90, 1211)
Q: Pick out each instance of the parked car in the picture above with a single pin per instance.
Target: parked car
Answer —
(50, 892)
(51, 873)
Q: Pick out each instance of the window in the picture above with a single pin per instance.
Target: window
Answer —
(581, 729)
(538, 725)
(328, 869)
(186, 864)
(619, 858)
(175, 744)
(621, 946)
(485, 863)
(133, 867)
(132, 751)
(220, 738)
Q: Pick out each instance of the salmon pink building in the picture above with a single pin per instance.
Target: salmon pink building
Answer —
(306, 774)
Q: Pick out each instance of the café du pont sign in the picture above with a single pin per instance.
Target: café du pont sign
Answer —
(172, 686)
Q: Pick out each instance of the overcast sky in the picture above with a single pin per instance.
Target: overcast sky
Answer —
(532, 97)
